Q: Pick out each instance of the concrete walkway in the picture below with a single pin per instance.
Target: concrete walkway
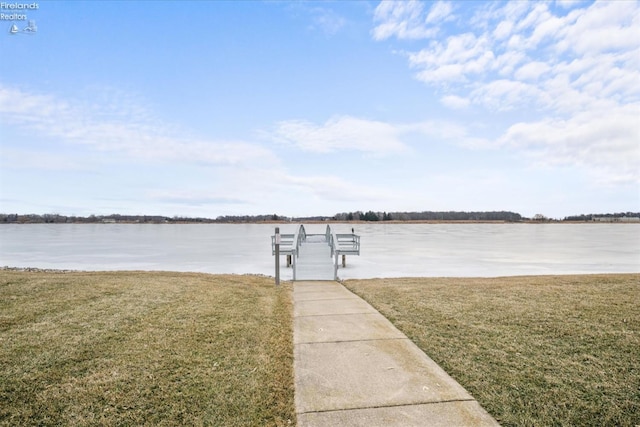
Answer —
(354, 368)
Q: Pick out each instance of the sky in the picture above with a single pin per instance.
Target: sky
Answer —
(211, 108)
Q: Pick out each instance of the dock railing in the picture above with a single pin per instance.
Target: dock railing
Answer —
(300, 237)
(343, 244)
(286, 244)
(329, 236)
(340, 244)
(348, 243)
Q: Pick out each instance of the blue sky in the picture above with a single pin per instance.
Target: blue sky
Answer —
(314, 108)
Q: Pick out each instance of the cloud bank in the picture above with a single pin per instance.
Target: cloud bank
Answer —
(573, 67)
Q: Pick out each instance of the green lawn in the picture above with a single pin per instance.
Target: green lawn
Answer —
(534, 351)
(134, 348)
(147, 348)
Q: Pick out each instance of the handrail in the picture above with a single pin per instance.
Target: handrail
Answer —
(332, 243)
(286, 243)
(330, 238)
(344, 244)
(349, 243)
(334, 250)
(299, 237)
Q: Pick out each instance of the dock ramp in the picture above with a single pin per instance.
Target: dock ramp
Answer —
(316, 256)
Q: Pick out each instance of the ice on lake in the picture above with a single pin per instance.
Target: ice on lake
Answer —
(387, 249)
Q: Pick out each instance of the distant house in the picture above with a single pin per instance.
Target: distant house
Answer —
(616, 219)
(108, 220)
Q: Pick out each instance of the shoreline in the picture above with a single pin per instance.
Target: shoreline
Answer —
(7, 268)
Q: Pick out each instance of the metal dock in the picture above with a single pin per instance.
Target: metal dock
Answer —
(315, 256)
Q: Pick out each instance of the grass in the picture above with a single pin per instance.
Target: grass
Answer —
(133, 348)
(534, 351)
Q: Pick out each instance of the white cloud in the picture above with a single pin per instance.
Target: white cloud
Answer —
(119, 127)
(527, 43)
(503, 30)
(575, 69)
(195, 198)
(505, 95)
(342, 133)
(548, 28)
(507, 62)
(454, 102)
(408, 20)
(401, 19)
(514, 10)
(606, 143)
(568, 4)
(18, 158)
(333, 188)
(532, 71)
(379, 138)
(440, 12)
(538, 14)
(327, 20)
(447, 132)
(461, 56)
(605, 26)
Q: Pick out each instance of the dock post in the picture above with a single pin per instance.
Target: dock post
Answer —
(277, 244)
(344, 260)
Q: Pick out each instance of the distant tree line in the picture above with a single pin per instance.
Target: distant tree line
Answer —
(138, 219)
(62, 219)
(249, 218)
(116, 218)
(429, 216)
(505, 216)
(591, 217)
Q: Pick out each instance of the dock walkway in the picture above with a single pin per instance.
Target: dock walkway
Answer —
(314, 261)
(354, 368)
(315, 256)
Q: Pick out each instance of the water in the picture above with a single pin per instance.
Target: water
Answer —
(387, 250)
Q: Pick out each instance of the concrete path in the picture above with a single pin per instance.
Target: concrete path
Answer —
(354, 368)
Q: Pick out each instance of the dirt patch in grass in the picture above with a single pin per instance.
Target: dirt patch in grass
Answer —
(144, 348)
(544, 350)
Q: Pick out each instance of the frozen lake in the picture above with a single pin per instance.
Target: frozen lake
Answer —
(388, 250)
